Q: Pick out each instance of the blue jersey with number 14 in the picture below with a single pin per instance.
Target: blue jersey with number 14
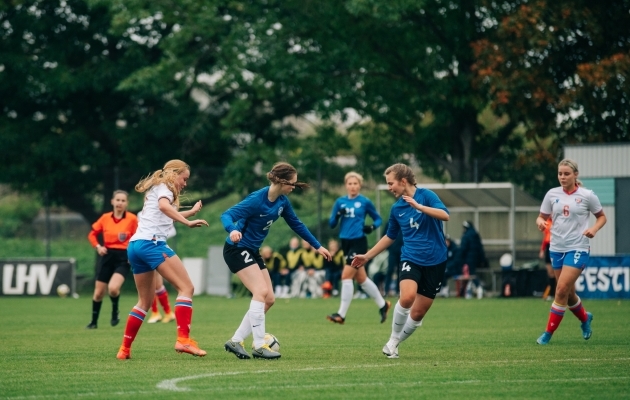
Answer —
(254, 215)
(423, 236)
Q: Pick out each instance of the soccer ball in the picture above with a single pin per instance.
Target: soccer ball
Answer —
(272, 342)
(63, 290)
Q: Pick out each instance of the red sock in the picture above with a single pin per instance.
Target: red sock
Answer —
(154, 308)
(578, 310)
(162, 295)
(183, 316)
(555, 317)
(134, 322)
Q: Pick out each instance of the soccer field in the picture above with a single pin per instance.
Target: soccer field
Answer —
(466, 349)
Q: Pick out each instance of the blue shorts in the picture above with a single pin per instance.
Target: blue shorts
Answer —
(574, 258)
(147, 255)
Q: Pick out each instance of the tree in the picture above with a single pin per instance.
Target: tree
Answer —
(560, 69)
(68, 124)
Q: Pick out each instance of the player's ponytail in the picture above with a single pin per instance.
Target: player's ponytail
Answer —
(282, 172)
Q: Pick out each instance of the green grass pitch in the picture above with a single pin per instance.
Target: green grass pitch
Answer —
(475, 349)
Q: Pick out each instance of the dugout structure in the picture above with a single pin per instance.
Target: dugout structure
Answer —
(504, 215)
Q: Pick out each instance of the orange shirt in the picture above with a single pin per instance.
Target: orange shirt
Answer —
(116, 233)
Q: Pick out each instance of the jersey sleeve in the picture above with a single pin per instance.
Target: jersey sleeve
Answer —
(594, 205)
(334, 218)
(393, 228)
(545, 207)
(163, 191)
(97, 228)
(434, 201)
(371, 211)
(237, 212)
(298, 226)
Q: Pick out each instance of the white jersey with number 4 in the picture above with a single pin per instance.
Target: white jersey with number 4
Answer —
(570, 213)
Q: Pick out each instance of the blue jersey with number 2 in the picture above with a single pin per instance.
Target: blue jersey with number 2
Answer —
(423, 236)
(254, 215)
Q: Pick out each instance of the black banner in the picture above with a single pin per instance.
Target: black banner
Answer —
(36, 277)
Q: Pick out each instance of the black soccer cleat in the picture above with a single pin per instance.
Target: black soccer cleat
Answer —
(91, 325)
(336, 318)
(115, 320)
(384, 310)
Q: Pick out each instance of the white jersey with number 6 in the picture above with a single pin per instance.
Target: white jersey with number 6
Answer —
(570, 214)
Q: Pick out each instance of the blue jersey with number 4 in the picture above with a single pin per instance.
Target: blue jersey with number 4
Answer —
(254, 215)
(423, 236)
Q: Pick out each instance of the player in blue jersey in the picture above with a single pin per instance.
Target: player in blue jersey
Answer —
(248, 224)
(352, 210)
(418, 214)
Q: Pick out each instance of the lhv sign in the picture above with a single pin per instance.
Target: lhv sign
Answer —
(36, 276)
(605, 278)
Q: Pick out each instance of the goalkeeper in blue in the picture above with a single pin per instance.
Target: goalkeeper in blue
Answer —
(419, 215)
(350, 212)
(248, 224)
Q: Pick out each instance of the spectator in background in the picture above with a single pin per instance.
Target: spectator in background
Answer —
(275, 263)
(472, 253)
(453, 264)
(333, 269)
(116, 227)
(293, 256)
(309, 276)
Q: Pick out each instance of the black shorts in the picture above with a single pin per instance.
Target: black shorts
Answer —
(428, 278)
(115, 261)
(352, 247)
(547, 254)
(238, 258)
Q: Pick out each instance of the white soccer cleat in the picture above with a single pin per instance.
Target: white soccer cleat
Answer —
(391, 349)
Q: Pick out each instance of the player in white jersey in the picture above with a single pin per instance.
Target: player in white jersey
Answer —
(148, 253)
(418, 215)
(569, 206)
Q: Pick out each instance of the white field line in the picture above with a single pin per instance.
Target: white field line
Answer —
(172, 384)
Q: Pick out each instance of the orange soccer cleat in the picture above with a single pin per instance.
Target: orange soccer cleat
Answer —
(124, 353)
(187, 345)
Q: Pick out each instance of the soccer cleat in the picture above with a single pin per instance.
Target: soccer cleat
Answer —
(115, 320)
(336, 318)
(124, 353)
(384, 310)
(544, 338)
(390, 349)
(238, 349)
(91, 325)
(155, 317)
(187, 345)
(586, 326)
(168, 317)
(265, 352)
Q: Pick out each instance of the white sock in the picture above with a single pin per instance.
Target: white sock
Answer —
(398, 320)
(257, 319)
(347, 290)
(371, 289)
(285, 291)
(244, 330)
(409, 328)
